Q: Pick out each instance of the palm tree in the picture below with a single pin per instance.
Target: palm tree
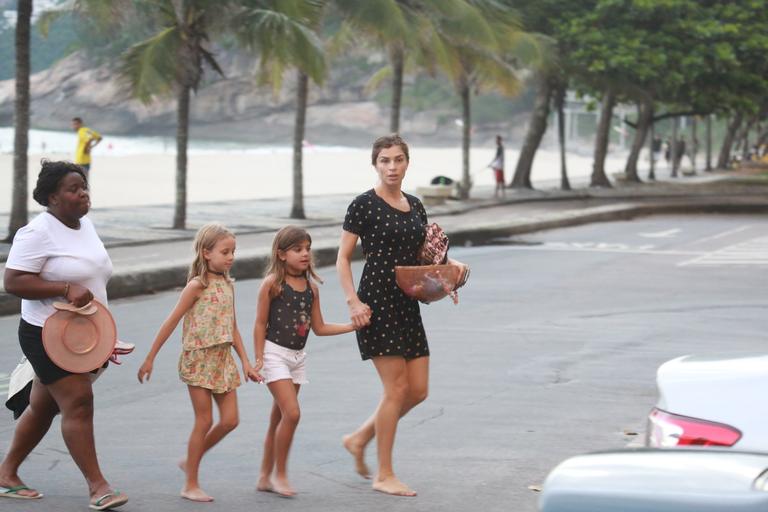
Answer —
(486, 57)
(391, 24)
(296, 22)
(21, 119)
(171, 61)
(285, 36)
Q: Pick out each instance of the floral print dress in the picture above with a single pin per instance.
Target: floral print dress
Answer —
(206, 359)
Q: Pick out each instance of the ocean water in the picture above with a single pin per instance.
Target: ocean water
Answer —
(135, 171)
(63, 142)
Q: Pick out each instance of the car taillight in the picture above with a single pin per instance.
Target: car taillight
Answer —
(666, 430)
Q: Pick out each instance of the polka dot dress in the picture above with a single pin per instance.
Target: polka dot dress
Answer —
(389, 237)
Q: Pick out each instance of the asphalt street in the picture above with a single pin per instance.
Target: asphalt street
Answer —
(551, 352)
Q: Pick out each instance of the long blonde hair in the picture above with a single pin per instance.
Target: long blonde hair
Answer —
(205, 239)
(286, 238)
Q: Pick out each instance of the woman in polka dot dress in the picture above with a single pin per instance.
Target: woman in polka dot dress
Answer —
(390, 225)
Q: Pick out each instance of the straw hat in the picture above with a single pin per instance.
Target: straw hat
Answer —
(79, 340)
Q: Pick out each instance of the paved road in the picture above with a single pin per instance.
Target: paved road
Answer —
(552, 352)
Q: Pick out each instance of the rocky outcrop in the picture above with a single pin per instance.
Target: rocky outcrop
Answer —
(233, 108)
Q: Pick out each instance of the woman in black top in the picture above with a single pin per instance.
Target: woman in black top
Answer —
(390, 225)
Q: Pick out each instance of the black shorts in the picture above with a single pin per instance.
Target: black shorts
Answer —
(31, 341)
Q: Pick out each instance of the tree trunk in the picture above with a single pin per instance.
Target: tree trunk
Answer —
(599, 179)
(397, 62)
(744, 143)
(536, 129)
(673, 149)
(762, 138)
(741, 136)
(302, 91)
(560, 105)
(21, 119)
(182, 139)
(694, 146)
(651, 136)
(466, 117)
(644, 121)
(724, 157)
(709, 143)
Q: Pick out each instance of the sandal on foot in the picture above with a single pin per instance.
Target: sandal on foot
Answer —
(13, 492)
(110, 500)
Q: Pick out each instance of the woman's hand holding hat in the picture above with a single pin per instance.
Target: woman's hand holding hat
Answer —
(79, 339)
(78, 295)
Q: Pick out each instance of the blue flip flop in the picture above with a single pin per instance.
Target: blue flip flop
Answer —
(13, 492)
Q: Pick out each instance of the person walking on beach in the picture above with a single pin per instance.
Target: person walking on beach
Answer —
(209, 332)
(87, 139)
(58, 256)
(391, 226)
(498, 168)
(288, 306)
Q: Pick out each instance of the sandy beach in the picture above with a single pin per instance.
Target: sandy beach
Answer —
(144, 179)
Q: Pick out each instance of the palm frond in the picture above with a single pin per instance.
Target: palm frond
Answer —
(524, 49)
(380, 16)
(152, 67)
(275, 35)
(345, 37)
(99, 13)
(211, 61)
(467, 25)
(377, 79)
(495, 74)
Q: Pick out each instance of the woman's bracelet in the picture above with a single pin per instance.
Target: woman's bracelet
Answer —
(66, 289)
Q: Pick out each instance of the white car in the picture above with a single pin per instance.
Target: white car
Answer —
(706, 406)
(653, 480)
(710, 401)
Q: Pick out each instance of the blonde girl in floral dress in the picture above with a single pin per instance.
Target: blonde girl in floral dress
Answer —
(209, 332)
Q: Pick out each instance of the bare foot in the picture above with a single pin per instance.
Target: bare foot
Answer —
(393, 486)
(264, 484)
(358, 453)
(195, 494)
(282, 487)
(14, 481)
(183, 465)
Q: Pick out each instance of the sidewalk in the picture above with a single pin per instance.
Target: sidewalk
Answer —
(148, 256)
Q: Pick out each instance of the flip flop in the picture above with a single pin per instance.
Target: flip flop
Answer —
(110, 500)
(13, 492)
(123, 348)
(86, 310)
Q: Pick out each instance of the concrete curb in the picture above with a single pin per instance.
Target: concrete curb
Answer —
(250, 266)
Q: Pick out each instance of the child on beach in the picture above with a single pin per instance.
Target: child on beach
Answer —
(288, 306)
(206, 365)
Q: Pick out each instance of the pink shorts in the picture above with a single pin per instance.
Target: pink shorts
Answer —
(499, 175)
